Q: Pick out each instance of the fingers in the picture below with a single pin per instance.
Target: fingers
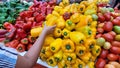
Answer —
(54, 26)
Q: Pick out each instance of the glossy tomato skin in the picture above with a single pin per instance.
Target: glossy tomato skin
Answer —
(112, 57)
(107, 16)
(100, 63)
(115, 50)
(112, 33)
(108, 26)
(116, 22)
(101, 18)
(100, 30)
(116, 43)
(108, 37)
(104, 53)
(98, 36)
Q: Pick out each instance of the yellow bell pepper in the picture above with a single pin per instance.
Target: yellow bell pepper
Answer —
(60, 22)
(57, 9)
(93, 32)
(48, 40)
(77, 37)
(93, 24)
(63, 64)
(61, 5)
(48, 52)
(66, 2)
(35, 32)
(85, 3)
(78, 64)
(70, 25)
(49, 16)
(92, 6)
(51, 61)
(75, 18)
(51, 20)
(69, 58)
(81, 8)
(89, 44)
(91, 64)
(86, 30)
(86, 57)
(73, 8)
(93, 58)
(67, 8)
(43, 57)
(68, 46)
(56, 45)
(66, 33)
(58, 55)
(55, 13)
(90, 12)
(80, 50)
(45, 51)
(57, 32)
(84, 20)
(96, 50)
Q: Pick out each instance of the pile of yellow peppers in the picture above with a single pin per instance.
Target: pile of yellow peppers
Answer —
(72, 44)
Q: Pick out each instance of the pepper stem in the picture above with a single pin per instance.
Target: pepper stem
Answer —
(69, 58)
(53, 48)
(65, 33)
(51, 61)
(80, 66)
(69, 23)
(68, 47)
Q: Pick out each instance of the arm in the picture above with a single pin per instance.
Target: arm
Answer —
(117, 5)
(30, 58)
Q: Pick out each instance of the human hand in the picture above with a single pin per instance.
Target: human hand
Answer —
(49, 29)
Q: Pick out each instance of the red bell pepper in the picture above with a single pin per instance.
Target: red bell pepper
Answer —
(39, 18)
(13, 44)
(49, 9)
(24, 41)
(27, 26)
(19, 24)
(2, 39)
(20, 48)
(27, 13)
(21, 33)
(11, 28)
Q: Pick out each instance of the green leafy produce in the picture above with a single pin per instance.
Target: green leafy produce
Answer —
(10, 10)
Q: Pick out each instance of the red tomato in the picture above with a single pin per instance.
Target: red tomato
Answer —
(107, 16)
(119, 59)
(116, 22)
(100, 25)
(100, 63)
(115, 50)
(112, 57)
(113, 15)
(112, 33)
(116, 43)
(101, 18)
(104, 53)
(98, 36)
(108, 37)
(118, 18)
(108, 26)
(100, 30)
